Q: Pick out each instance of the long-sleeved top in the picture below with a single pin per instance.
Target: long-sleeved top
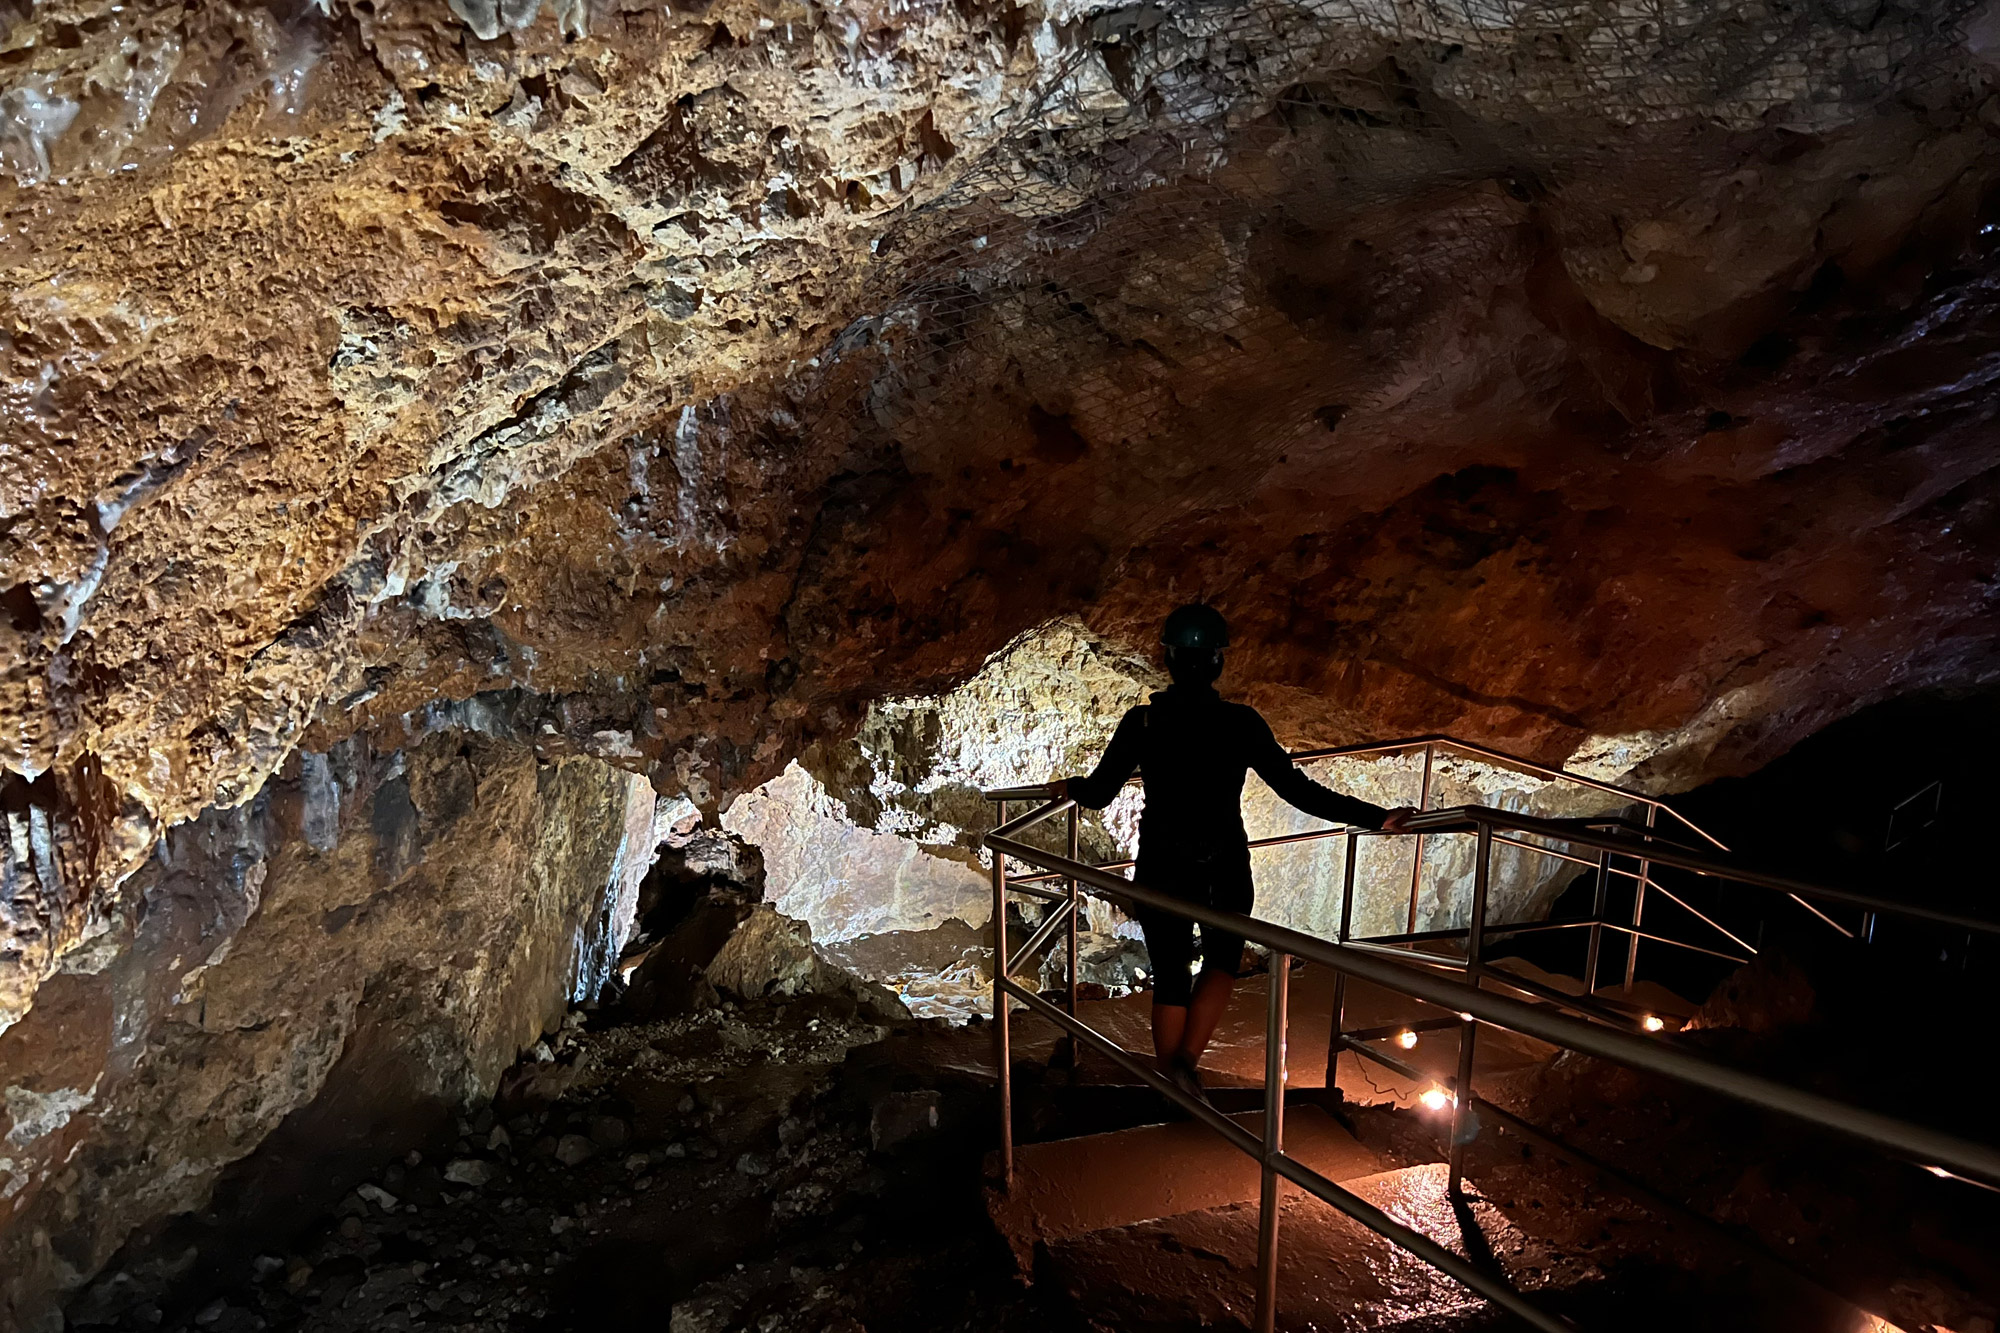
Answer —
(1192, 748)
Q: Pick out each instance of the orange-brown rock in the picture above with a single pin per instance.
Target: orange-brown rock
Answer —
(666, 382)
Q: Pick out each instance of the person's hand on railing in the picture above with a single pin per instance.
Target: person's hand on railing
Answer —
(1398, 820)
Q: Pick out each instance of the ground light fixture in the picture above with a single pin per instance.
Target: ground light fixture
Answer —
(1406, 1039)
(1653, 1023)
(1943, 1174)
(1436, 1099)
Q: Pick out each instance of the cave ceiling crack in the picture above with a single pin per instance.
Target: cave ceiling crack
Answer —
(1479, 698)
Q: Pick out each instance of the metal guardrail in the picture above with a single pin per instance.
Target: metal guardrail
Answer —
(1432, 747)
(1602, 1031)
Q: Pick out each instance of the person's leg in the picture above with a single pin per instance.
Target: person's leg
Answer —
(1204, 1012)
(1222, 958)
(1169, 1029)
(1170, 947)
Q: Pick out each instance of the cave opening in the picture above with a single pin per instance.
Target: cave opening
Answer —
(554, 552)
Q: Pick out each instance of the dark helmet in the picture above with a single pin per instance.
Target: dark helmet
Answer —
(1196, 626)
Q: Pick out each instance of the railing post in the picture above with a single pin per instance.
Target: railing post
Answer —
(1272, 1193)
(1075, 964)
(1347, 886)
(1597, 924)
(1003, 1054)
(1417, 856)
(1333, 1046)
(1639, 908)
(1475, 948)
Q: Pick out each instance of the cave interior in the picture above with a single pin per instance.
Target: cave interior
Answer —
(534, 534)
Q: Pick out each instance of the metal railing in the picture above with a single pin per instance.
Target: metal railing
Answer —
(1432, 747)
(1597, 1029)
(1728, 945)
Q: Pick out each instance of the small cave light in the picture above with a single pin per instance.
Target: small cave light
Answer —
(1653, 1023)
(1406, 1039)
(1436, 1099)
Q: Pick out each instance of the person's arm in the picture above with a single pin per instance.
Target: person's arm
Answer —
(1284, 777)
(1121, 758)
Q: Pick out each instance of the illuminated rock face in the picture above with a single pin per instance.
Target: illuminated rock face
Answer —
(844, 880)
(667, 385)
(886, 837)
(709, 374)
(881, 832)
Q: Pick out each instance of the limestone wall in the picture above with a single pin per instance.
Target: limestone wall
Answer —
(338, 963)
(899, 851)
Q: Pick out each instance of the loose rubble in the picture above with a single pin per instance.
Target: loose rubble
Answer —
(752, 1165)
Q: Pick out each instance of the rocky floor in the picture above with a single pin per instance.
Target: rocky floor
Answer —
(778, 1165)
(813, 1163)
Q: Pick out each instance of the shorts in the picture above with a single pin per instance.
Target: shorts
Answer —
(1217, 880)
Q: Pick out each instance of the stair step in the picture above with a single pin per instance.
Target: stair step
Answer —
(1069, 1187)
(1199, 1269)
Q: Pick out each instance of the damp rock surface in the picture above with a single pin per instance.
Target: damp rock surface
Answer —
(227, 1064)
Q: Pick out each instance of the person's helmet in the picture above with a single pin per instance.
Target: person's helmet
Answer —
(1197, 627)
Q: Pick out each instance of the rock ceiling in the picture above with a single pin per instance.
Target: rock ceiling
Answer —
(1607, 380)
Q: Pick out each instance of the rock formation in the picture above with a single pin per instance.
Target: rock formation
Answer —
(880, 833)
(339, 981)
(658, 386)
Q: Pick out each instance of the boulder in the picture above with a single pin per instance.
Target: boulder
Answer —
(1769, 994)
(1116, 964)
(731, 947)
(768, 954)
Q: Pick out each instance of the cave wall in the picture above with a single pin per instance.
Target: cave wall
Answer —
(881, 832)
(1616, 391)
(340, 962)
(676, 383)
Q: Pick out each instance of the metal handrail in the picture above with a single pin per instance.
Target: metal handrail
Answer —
(1022, 882)
(1430, 745)
(1501, 759)
(1644, 844)
(1937, 1150)
(1586, 832)
(1919, 1143)
(1498, 758)
(1581, 833)
(1277, 1162)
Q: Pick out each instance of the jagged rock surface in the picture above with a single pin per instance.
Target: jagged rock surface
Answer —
(666, 384)
(1568, 403)
(326, 990)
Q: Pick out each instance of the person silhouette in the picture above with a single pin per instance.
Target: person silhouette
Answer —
(1192, 749)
